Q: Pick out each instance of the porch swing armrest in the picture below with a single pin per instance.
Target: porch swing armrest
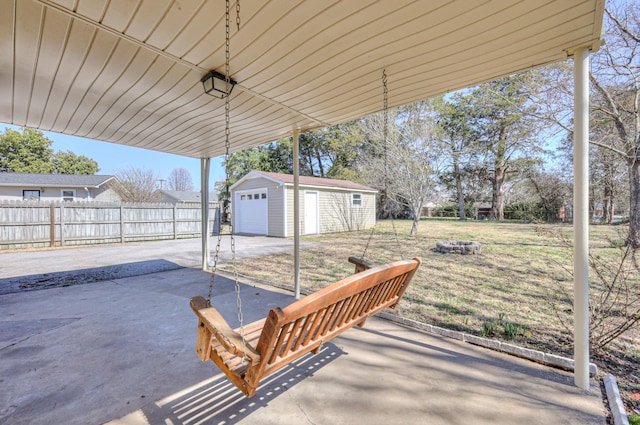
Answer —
(361, 265)
(221, 331)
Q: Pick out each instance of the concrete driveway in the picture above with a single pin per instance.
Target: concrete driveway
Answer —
(49, 268)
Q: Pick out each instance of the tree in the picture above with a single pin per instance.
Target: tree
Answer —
(137, 185)
(180, 179)
(29, 151)
(457, 133)
(405, 166)
(25, 152)
(615, 77)
(551, 192)
(615, 113)
(330, 152)
(69, 163)
(501, 119)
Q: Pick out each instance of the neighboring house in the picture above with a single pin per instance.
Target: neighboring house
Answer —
(262, 204)
(57, 187)
(180, 197)
(429, 208)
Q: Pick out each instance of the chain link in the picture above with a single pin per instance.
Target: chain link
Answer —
(238, 14)
(225, 199)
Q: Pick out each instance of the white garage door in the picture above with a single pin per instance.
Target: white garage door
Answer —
(251, 212)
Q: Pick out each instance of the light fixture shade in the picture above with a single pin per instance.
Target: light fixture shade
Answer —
(215, 85)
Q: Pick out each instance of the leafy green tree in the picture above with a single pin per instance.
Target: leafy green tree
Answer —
(69, 163)
(29, 151)
(330, 152)
(456, 131)
(502, 120)
(26, 151)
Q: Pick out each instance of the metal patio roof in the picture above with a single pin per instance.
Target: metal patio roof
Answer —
(129, 72)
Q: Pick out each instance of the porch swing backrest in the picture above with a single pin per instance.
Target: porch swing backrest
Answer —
(302, 327)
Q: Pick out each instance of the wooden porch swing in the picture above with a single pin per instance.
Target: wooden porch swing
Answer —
(261, 348)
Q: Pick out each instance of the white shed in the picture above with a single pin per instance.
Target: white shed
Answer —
(262, 204)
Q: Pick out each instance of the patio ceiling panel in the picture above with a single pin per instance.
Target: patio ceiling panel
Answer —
(128, 71)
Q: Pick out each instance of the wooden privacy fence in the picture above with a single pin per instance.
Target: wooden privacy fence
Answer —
(33, 225)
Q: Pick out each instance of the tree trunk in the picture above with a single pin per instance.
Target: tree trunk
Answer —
(608, 207)
(414, 225)
(497, 198)
(319, 159)
(459, 194)
(634, 204)
(497, 194)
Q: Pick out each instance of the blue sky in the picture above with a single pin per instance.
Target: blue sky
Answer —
(112, 157)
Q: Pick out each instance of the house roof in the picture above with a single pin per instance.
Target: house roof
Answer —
(129, 72)
(287, 179)
(187, 196)
(182, 195)
(54, 180)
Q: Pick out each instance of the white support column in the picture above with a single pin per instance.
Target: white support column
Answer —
(581, 218)
(296, 214)
(205, 165)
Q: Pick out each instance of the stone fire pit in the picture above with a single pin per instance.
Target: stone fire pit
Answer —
(458, 247)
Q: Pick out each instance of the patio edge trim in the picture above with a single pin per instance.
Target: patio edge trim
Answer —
(615, 401)
(503, 347)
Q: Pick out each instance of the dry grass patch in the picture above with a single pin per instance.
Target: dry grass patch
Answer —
(506, 292)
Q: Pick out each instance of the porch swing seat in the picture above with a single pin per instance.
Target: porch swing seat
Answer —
(302, 327)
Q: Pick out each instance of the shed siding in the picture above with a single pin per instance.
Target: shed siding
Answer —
(338, 215)
(290, 225)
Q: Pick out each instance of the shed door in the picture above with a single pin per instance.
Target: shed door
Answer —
(310, 213)
(251, 212)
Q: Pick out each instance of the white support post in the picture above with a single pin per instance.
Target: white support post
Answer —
(296, 214)
(581, 218)
(205, 165)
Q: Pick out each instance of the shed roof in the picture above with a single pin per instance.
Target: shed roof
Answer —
(287, 179)
(129, 72)
(54, 180)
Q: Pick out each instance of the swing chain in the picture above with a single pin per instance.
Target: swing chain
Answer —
(225, 200)
(385, 129)
(385, 106)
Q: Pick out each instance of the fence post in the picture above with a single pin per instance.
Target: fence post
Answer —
(121, 224)
(175, 222)
(52, 220)
(61, 224)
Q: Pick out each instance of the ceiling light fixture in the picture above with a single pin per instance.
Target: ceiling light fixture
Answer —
(215, 84)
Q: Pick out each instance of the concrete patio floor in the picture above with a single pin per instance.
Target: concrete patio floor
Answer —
(122, 352)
